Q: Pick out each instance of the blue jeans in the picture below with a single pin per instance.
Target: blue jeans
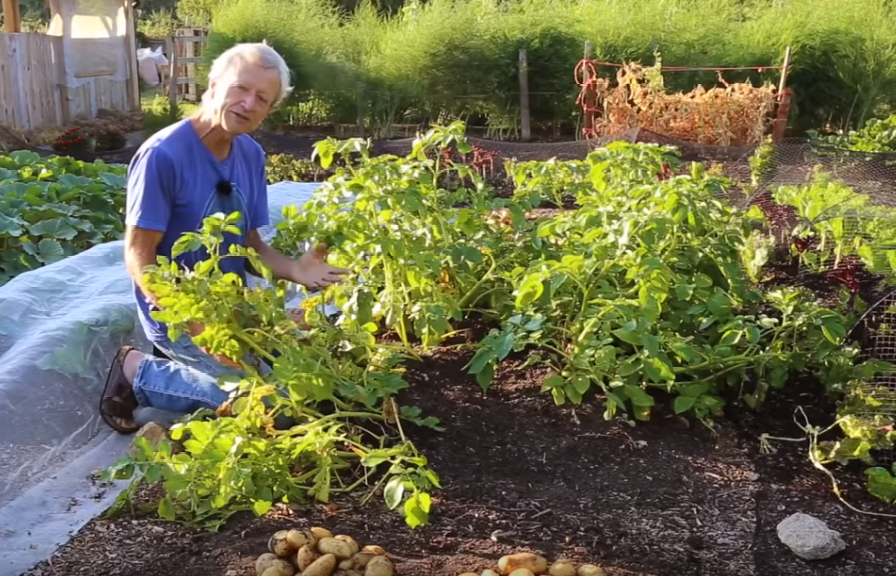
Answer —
(184, 384)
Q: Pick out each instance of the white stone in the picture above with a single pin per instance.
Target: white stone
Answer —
(809, 538)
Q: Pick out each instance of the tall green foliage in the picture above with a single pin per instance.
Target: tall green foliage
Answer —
(458, 58)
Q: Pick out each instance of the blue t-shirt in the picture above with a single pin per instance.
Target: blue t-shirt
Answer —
(173, 183)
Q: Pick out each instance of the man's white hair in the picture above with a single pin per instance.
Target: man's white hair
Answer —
(259, 53)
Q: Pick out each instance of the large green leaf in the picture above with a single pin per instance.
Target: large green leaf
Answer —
(25, 157)
(54, 228)
(10, 226)
(113, 180)
(49, 251)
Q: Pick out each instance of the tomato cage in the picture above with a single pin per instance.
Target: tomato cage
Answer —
(733, 114)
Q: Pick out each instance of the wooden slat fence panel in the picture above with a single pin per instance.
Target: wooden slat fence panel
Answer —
(30, 64)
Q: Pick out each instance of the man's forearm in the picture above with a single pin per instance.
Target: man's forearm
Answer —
(136, 261)
(282, 267)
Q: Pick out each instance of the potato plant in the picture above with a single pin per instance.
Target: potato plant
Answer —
(427, 256)
(647, 284)
(651, 283)
(335, 385)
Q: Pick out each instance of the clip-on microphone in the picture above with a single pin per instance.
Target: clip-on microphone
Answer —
(224, 188)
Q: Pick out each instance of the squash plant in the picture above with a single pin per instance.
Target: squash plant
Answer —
(51, 208)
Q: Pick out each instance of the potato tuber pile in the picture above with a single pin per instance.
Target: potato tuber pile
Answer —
(317, 552)
(528, 564)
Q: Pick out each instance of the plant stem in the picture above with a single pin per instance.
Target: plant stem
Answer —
(463, 301)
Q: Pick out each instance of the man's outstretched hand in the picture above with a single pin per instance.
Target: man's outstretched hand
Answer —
(312, 271)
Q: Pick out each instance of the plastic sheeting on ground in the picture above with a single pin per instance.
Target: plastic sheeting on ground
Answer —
(60, 326)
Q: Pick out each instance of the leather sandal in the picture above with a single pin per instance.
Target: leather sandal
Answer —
(118, 402)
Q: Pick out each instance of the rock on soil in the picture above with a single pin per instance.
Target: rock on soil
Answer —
(810, 538)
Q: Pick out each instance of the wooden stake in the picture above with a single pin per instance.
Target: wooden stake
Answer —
(361, 106)
(783, 83)
(525, 118)
(130, 41)
(589, 97)
(172, 73)
(785, 96)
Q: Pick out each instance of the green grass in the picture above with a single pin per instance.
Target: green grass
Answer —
(157, 110)
(458, 58)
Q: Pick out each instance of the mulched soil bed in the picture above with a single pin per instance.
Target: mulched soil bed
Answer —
(521, 474)
(663, 498)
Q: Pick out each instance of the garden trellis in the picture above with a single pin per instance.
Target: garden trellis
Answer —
(736, 114)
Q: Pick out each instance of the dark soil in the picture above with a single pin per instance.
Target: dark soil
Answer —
(664, 498)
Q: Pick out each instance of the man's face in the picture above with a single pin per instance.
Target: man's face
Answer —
(245, 96)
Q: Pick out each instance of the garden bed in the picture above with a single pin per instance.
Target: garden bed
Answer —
(520, 474)
(667, 496)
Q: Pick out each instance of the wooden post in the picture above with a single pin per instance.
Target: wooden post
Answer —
(782, 115)
(131, 47)
(361, 107)
(588, 97)
(171, 46)
(786, 67)
(525, 117)
(190, 69)
(12, 19)
(785, 96)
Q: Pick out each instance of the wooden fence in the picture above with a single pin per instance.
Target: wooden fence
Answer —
(33, 93)
(30, 66)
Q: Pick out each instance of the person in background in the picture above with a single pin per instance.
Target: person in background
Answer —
(199, 166)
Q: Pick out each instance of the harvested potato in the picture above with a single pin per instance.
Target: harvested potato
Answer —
(347, 564)
(306, 556)
(320, 533)
(373, 550)
(279, 567)
(323, 566)
(379, 566)
(532, 562)
(489, 572)
(353, 573)
(299, 538)
(264, 562)
(361, 559)
(469, 574)
(562, 568)
(522, 572)
(590, 570)
(351, 543)
(279, 545)
(337, 548)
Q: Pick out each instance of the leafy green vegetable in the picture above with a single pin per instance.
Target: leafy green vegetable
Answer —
(243, 461)
(651, 287)
(51, 208)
